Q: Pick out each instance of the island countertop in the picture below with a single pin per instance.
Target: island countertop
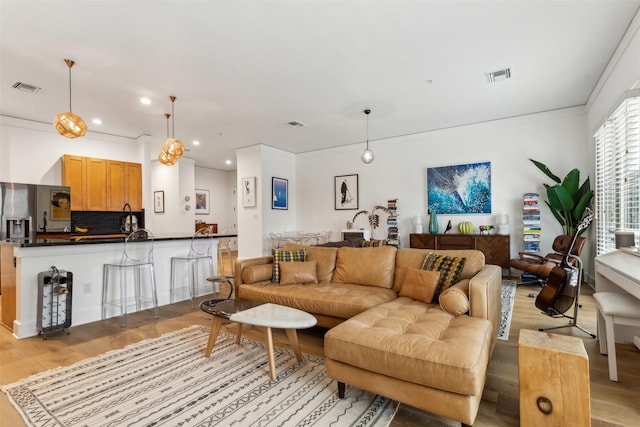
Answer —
(85, 259)
(85, 240)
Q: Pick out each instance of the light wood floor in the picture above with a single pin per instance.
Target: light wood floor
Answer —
(612, 404)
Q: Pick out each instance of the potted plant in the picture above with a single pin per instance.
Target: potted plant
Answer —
(566, 199)
(372, 217)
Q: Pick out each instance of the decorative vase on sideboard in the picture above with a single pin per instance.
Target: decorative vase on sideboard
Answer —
(433, 223)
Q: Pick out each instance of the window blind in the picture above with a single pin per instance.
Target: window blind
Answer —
(617, 192)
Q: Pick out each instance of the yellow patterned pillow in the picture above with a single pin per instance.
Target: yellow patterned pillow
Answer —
(450, 269)
(280, 255)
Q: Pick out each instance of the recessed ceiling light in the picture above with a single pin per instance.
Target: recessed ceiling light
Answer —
(144, 100)
(96, 121)
(228, 162)
(195, 142)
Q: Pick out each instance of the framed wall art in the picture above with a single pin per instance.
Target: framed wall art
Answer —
(249, 192)
(459, 189)
(60, 205)
(346, 192)
(202, 202)
(280, 190)
(158, 201)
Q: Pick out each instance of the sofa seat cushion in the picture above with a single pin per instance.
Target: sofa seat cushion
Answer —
(342, 300)
(416, 342)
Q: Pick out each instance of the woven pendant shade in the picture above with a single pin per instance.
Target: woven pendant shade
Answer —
(69, 124)
(172, 149)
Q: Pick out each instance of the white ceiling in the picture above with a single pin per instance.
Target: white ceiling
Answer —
(242, 69)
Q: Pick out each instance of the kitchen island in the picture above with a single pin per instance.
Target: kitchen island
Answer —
(85, 259)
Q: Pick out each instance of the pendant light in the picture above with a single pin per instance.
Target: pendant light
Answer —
(173, 146)
(68, 124)
(367, 155)
(165, 158)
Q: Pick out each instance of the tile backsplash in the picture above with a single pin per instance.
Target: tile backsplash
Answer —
(102, 222)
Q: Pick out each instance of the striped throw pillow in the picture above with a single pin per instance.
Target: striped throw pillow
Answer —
(281, 255)
(450, 269)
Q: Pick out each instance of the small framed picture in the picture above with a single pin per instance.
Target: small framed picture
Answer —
(280, 187)
(346, 192)
(249, 192)
(158, 201)
(60, 205)
(202, 202)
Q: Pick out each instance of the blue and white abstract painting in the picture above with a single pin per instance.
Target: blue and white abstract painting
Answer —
(459, 189)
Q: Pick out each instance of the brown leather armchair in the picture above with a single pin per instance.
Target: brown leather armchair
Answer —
(541, 266)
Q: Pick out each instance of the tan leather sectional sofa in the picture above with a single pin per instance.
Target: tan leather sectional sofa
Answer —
(430, 356)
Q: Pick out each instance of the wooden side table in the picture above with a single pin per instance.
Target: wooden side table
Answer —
(553, 373)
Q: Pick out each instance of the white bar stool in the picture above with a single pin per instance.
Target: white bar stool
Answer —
(137, 256)
(200, 250)
(616, 309)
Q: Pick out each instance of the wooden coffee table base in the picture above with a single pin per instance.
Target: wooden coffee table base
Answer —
(292, 335)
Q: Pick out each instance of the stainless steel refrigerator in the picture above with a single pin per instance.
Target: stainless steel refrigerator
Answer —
(26, 209)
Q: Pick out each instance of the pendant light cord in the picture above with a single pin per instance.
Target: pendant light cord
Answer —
(366, 112)
(70, 110)
(173, 118)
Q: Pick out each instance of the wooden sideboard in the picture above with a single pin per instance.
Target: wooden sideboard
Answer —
(495, 247)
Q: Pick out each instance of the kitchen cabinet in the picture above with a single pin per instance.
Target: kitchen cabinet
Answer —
(495, 247)
(8, 284)
(74, 170)
(96, 190)
(133, 185)
(101, 184)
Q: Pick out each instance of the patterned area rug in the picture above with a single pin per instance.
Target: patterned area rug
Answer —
(508, 297)
(167, 381)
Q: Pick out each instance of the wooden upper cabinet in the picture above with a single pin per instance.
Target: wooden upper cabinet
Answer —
(133, 185)
(102, 185)
(74, 171)
(96, 195)
(115, 180)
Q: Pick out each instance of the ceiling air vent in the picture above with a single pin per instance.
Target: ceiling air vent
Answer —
(296, 124)
(497, 76)
(25, 87)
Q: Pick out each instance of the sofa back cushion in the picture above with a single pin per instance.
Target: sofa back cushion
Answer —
(414, 258)
(366, 266)
(324, 257)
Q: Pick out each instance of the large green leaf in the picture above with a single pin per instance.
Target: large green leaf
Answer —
(559, 198)
(556, 214)
(578, 210)
(546, 170)
(570, 183)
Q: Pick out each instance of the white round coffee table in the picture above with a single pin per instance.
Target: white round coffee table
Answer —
(257, 314)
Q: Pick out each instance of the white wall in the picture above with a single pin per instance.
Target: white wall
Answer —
(556, 138)
(30, 152)
(278, 164)
(250, 219)
(176, 182)
(221, 186)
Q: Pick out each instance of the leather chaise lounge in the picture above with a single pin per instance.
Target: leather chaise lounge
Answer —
(432, 356)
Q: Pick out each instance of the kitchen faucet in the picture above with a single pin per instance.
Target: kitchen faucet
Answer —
(129, 219)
